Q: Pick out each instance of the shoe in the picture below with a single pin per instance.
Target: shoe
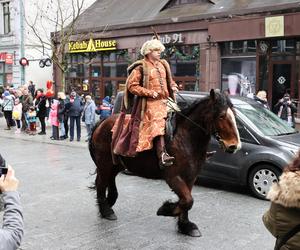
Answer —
(86, 140)
(166, 160)
(78, 139)
(41, 133)
(51, 137)
(62, 138)
(8, 128)
(18, 131)
(71, 139)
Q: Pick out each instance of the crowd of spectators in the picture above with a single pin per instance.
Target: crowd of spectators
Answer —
(26, 109)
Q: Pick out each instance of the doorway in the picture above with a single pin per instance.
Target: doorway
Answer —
(281, 81)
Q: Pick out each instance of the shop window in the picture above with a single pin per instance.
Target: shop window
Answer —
(238, 48)
(238, 75)
(284, 46)
(96, 71)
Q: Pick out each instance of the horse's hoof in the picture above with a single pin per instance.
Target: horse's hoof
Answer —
(110, 217)
(189, 229)
(167, 209)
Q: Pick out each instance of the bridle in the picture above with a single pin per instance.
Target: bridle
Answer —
(214, 133)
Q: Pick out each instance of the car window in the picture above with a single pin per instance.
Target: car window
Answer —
(264, 120)
(244, 133)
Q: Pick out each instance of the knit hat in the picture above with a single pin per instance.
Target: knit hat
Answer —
(6, 93)
(152, 45)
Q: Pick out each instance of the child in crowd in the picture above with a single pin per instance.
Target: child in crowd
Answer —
(17, 114)
(53, 117)
(32, 120)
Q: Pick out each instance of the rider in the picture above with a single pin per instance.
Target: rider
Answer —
(151, 80)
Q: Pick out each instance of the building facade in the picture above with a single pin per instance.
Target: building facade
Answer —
(236, 46)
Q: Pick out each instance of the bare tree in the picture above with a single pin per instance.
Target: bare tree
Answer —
(60, 17)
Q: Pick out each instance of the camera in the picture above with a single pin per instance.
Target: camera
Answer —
(3, 171)
(3, 168)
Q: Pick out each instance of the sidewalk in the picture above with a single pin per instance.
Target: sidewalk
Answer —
(43, 138)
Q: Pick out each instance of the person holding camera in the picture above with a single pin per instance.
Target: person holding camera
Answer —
(12, 230)
(286, 109)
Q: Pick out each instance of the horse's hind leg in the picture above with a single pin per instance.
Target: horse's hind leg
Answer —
(180, 208)
(105, 181)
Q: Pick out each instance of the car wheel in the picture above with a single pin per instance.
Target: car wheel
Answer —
(261, 179)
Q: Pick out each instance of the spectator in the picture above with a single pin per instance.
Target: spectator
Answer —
(31, 88)
(17, 114)
(12, 230)
(53, 116)
(26, 104)
(61, 114)
(283, 217)
(261, 97)
(286, 109)
(41, 110)
(7, 107)
(88, 116)
(74, 109)
(31, 114)
(105, 109)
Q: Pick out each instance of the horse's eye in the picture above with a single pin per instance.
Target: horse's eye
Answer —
(222, 116)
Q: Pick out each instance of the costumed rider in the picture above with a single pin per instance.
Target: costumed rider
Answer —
(151, 81)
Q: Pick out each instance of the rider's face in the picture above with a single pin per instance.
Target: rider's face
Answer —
(154, 54)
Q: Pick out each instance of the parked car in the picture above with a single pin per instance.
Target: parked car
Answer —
(268, 145)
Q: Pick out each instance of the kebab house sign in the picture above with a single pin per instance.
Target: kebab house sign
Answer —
(92, 46)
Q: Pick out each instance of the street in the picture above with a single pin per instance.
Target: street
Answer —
(60, 210)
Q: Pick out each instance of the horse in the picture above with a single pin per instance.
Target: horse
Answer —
(211, 115)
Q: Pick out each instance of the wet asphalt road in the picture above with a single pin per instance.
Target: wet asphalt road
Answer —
(60, 211)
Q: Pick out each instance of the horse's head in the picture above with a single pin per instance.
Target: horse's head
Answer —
(224, 124)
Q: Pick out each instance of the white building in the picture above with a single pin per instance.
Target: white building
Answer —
(17, 40)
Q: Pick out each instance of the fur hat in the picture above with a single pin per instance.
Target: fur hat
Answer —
(151, 45)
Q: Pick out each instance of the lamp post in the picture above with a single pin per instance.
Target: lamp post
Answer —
(22, 69)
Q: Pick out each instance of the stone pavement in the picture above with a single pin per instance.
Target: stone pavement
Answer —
(43, 138)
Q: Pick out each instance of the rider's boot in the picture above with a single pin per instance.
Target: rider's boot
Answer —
(165, 160)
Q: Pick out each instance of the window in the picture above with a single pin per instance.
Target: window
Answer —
(6, 18)
(177, 3)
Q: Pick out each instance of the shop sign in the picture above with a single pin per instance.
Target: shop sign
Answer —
(274, 26)
(9, 59)
(2, 56)
(172, 38)
(92, 46)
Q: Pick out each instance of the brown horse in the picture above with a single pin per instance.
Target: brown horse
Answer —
(195, 125)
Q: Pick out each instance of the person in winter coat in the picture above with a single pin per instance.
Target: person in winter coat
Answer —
(89, 116)
(287, 109)
(74, 109)
(283, 217)
(61, 115)
(7, 107)
(41, 109)
(12, 230)
(53, 117)
(26, 104)
(17, 114)
(105, 109)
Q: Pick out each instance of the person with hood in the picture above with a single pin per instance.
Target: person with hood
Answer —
(7, 108)
(41, 109)
(283, 217)
(149, 79)
(89, 115)
(105, 109)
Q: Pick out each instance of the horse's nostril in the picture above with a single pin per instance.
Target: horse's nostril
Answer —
(232, 147)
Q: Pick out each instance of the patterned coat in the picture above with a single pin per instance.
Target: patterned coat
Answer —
(145, 79)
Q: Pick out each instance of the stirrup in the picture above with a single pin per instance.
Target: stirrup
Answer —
(166, 160)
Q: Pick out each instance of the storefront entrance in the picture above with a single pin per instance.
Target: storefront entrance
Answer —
(282, 81)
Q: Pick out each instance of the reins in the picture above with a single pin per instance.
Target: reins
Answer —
(184, 116)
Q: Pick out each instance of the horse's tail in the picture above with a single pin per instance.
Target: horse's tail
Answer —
(91, 145)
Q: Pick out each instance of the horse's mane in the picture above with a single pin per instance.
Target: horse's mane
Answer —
(221, 101)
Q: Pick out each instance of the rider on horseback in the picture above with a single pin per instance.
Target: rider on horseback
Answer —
(150, 79)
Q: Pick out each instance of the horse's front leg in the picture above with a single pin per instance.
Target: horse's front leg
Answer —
(181, 207)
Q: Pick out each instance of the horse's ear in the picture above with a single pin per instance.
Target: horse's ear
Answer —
(212, 94)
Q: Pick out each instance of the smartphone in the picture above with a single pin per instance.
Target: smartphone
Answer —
(3, 171)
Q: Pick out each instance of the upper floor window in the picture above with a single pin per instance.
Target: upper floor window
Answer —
(6, 18)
